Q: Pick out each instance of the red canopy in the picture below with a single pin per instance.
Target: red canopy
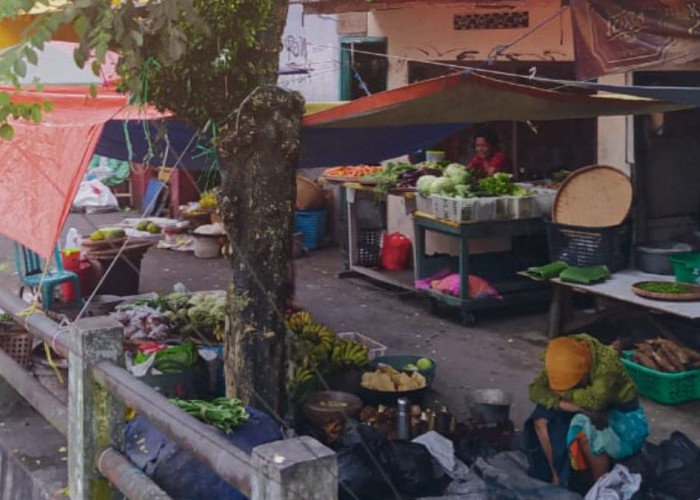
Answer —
(42, 166)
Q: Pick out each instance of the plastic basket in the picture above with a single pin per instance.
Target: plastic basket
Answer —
(17, 345)
(376, 349)
(464, 209)
(686, 267)
(590, 246)
(369, 247)
(520, 207)
(312, 226)
(665, 388)
(424, 204)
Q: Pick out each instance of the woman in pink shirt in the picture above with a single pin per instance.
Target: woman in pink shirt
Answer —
(488, 158)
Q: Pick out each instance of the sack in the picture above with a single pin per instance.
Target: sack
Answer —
(396, 251)
(94, 194)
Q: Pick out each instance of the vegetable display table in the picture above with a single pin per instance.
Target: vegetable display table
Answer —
(515, 289)
(618, 288)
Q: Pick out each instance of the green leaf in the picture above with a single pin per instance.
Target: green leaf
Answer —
(80, 25)
(36, 113)
(48, 106)
(31, 55)
(137, 37)
(4, 99)
(93, 90)
(6, 132)
(20, 68)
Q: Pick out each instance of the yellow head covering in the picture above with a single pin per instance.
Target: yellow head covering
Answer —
(567, 361)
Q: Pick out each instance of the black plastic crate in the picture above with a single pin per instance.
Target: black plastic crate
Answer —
(369, 247)
(589, 246)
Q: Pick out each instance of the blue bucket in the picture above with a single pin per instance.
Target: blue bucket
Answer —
(312, 226)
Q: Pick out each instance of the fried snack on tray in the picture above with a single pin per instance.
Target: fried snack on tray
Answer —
(388, 379)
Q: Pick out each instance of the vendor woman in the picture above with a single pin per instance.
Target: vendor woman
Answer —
(488, 157)
(587, 411)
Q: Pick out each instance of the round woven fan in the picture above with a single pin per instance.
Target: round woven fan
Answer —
(595, 196)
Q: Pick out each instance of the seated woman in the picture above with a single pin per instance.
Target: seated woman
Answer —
(488, 158)
(587, 411)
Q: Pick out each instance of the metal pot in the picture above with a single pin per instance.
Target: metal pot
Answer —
(489, 405)
(653, 257)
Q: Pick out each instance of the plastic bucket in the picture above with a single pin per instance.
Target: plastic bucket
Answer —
(206, 247)
(686, 267)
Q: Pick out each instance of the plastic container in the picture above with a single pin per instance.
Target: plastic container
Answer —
(434, 156)
(376, 349)
(206, 246)
(590, 246)
(369, 247)
(424, 204)
(464, 209)
(18, 345)
(312, 225)
(653, 257)
(686, 267)
(521, 207)
(665, 388)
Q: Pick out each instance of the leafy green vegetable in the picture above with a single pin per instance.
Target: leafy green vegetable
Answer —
(424, 185)
(223, 413)
(661, 287)
(499, 184)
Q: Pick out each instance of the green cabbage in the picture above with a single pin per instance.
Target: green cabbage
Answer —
(425, 183)
(444, 186)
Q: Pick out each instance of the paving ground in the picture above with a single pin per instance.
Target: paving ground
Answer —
(501, 351)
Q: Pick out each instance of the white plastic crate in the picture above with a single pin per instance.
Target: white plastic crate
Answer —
(376, 349)
(464, 209)
(521, 207)
(424, 204)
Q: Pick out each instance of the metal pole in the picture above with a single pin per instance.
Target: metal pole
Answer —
(128, 478)
(38, 324)
(48, 406)
(201, 440)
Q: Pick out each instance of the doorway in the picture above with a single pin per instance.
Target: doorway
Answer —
(362, 72)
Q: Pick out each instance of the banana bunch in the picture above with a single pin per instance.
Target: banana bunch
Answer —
(298, 321)
(302, 376)
(347, 352)
(321, 335)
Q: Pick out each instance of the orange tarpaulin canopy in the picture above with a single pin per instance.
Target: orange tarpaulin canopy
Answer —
(42, 166)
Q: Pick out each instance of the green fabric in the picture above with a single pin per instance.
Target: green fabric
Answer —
(609, 382)
(585, 275)
(121, 170)
(548, 271)
(172, 359)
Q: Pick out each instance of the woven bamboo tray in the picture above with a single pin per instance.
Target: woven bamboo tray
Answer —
(595, 196)
(693, 294)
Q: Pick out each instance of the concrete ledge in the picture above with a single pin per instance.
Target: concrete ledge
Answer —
(33, 455)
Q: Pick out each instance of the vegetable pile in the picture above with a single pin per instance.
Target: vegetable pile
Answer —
(664, 287)
(354, 172)
(459, 181)
(198, 315)
(223, 413)
(666, 356)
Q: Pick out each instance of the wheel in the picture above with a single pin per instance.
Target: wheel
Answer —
(468, 318)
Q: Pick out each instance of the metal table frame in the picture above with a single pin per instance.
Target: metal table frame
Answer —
(465, 232)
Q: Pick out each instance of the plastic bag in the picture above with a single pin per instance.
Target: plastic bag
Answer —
(670, 468)
(368, 462)
(396, 251)
(94, 194)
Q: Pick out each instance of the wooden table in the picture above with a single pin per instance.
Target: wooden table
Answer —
(617, 288)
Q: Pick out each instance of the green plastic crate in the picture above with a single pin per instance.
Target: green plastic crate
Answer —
(686, 267)
(665, 388)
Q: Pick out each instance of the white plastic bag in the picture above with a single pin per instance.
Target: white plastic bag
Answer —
(94, 194)
(72, 239)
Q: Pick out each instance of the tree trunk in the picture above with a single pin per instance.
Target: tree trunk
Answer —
(260, 147)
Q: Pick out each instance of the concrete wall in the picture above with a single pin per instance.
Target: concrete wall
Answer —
(427, 34)
(616, 133)
(309, 42)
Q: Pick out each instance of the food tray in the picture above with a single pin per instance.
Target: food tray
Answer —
(665, 388)
(356, 180)
(464, 210)
(694, 293)
(376, 349)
